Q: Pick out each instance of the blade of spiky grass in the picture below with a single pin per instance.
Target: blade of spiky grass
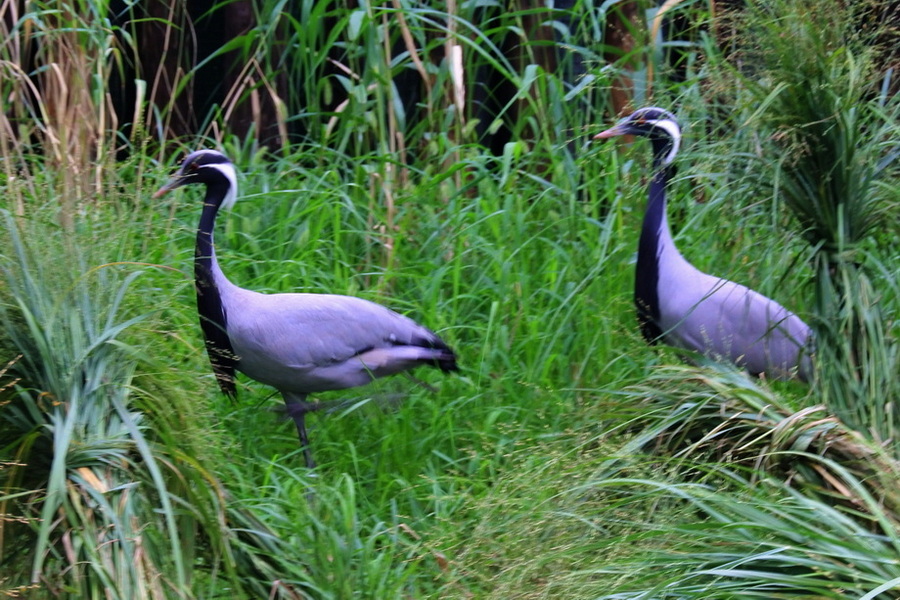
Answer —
(893, 584)
(166, 506)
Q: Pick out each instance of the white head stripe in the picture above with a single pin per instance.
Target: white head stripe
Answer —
(674, 132)
(227, 169)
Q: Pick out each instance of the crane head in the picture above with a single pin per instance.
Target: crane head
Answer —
(210, 167)
(657, 124)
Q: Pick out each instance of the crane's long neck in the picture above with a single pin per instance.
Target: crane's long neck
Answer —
(656, 239)
(209, 281)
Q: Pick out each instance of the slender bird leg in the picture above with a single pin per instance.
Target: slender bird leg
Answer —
(297, 407)
(420, 383)
(300, 420)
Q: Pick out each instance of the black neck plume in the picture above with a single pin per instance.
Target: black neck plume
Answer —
(646, 281)
(213, 319)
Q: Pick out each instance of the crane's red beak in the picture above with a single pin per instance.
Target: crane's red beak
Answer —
(613, 131)
(170, 185)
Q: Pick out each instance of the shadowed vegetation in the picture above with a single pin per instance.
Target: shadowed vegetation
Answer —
(568, 459)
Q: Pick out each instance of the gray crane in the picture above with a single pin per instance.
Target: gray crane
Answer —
(684, 307)
(298, 343)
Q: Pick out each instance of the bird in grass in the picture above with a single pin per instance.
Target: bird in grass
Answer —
(298, 343)
(684, 307)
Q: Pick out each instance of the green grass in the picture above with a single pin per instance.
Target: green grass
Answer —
(567, 459)
(834, 139)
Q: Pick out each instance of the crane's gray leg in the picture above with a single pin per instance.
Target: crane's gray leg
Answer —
(297, 407)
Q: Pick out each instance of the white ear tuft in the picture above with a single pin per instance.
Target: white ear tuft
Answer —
(227, 169)
(674, 132)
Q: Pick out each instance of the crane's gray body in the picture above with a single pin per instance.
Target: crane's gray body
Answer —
(307, 343)
(689, 309)
(727, 321)
(297, 343)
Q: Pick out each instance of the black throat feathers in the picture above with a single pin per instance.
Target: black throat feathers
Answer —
(213, 318)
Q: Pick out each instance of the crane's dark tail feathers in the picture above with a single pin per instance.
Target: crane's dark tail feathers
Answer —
(446, 362)
(444, 357)
(440, 355)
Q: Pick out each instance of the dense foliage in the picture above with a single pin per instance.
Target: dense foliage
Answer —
(568, 459)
